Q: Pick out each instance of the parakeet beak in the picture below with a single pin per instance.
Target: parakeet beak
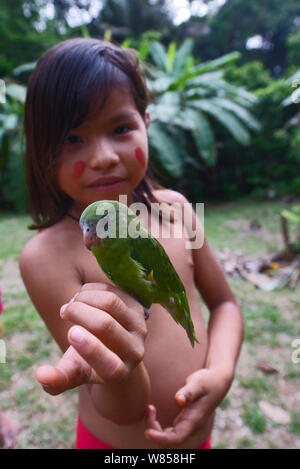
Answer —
(90, 239)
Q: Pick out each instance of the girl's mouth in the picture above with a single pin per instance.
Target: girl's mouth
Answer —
(106, 184)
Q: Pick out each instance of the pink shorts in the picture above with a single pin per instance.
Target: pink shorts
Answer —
(86, 440)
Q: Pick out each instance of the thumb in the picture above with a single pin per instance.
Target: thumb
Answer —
(194, 388)
(53, 380)
(71, 371)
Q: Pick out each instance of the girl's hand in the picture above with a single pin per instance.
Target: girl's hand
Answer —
(107, 342)
(202, 393)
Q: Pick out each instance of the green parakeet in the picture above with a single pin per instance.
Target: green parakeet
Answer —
(134, 260)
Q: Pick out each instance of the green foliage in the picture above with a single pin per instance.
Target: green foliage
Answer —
(251, 75)
(254, 418)
(293, 218)
(143, 43)
(292, 215)
(12, 172)
(205, 135)
(131, 18)
(23, 37)
(295, 425)
(293, 54)
(270, 162)
(189, 99)
(239, 20)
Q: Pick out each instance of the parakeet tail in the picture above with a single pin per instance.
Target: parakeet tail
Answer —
(178, 307)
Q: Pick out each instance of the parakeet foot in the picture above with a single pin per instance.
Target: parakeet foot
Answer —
(147, 313)
(146, 310)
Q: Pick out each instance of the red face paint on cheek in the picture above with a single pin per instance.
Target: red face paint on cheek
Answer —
(140, 156)
(78, 169)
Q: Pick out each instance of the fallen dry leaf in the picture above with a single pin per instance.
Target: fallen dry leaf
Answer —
(267, 367)
(277, 414)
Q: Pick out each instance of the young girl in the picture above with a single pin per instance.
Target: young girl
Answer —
(141, 384)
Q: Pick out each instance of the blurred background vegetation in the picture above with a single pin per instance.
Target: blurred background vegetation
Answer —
(224, 76)
(225, 127)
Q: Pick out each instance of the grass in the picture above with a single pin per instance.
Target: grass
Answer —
(223, 232)
(254, 418)
(271, 324)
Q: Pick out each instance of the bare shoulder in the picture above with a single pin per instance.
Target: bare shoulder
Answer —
(50, 275)
(48, 242)
(34, 249)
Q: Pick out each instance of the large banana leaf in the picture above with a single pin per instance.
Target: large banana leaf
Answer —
(219, 62)
(166, 108)
(210, 66)
(161, 84)
(171, 54)
(195, 122)
(237, 130)
(182, 56)
(159, 55)
(167, 150)
(9, 121)
(239, 111)
(205, 140)
(16, 91)
(187, 97)
(24, 68)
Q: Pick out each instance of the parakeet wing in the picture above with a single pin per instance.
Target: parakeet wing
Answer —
(149, 253)
(152, 256)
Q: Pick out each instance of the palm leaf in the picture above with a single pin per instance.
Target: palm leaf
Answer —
(206, 79)
(167, 150)
(213, 64)
(237, 130)
(195, 122)
(160, 85)
(170, 56)
(159, 55)
(166, 108)
(16, 91)
(182, 56)
(239, 111)
(205, 140)
(24, 68)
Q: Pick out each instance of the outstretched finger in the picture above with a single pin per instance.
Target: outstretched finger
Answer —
(171, 437)
(151, 419)
(107, 365)
(195, 387)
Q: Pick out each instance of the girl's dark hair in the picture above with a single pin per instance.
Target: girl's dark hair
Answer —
(68, 79)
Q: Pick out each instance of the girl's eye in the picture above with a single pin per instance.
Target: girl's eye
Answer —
(122, 129)
(72, 139)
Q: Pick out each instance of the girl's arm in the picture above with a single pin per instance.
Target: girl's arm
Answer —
(225, 326)
(110, 357)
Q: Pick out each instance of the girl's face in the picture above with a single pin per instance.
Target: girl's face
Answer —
(106, 155)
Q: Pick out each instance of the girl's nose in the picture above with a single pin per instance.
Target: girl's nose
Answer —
(102, 155)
